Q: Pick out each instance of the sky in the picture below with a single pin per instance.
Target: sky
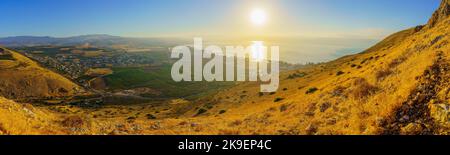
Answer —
(158, 18)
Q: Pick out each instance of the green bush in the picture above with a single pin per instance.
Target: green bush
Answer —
(339, 73)
(278, 99)
(222, 111)
(201, 111)
(311, 90)
(150, 116)
(297, 75)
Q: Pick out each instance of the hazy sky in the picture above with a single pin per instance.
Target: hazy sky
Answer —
(152, 18)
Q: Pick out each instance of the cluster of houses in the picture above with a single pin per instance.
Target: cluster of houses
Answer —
(74, 65)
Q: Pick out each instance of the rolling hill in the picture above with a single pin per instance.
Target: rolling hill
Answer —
(22, 78)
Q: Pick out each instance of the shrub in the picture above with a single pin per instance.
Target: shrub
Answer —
(323, 107)
(338, 91)
(311, 90)
(222, 111)
(150, 116)
(209, 106)
(311, 129)
(73, 122)
(284, 107)
(278, 99)
(235, 123)
(364, 61)
(297, 75)
(382, 74)
(183, 123)
(435, 40)
(364, 114)
(201, 111)
(363, 89)
(310, 113)
(397, 61)
(339, 73)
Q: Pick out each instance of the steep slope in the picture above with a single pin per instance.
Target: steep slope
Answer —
(399, 86)
(21, 77)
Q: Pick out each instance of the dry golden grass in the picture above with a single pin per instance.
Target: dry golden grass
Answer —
(363, 89)
(73, 122)
(24, 78)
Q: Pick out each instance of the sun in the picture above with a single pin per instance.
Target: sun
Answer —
(258, 17)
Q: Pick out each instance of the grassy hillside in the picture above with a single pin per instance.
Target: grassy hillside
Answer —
(21, 77)
(394, 39)
(374, 92)
(26, 119)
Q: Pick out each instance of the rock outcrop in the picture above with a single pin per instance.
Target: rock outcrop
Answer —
(442, 13)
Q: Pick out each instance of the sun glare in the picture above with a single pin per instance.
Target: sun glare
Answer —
(258, 17)
(258, 51)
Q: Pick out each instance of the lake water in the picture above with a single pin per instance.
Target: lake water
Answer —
(301, 50)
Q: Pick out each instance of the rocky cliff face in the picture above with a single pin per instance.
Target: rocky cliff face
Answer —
(442, 13)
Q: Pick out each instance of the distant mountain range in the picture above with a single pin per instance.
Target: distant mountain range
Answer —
(96, 40)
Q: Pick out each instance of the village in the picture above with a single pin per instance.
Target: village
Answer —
(74, 62)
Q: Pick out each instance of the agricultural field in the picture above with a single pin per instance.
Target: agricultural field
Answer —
(160, 79)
